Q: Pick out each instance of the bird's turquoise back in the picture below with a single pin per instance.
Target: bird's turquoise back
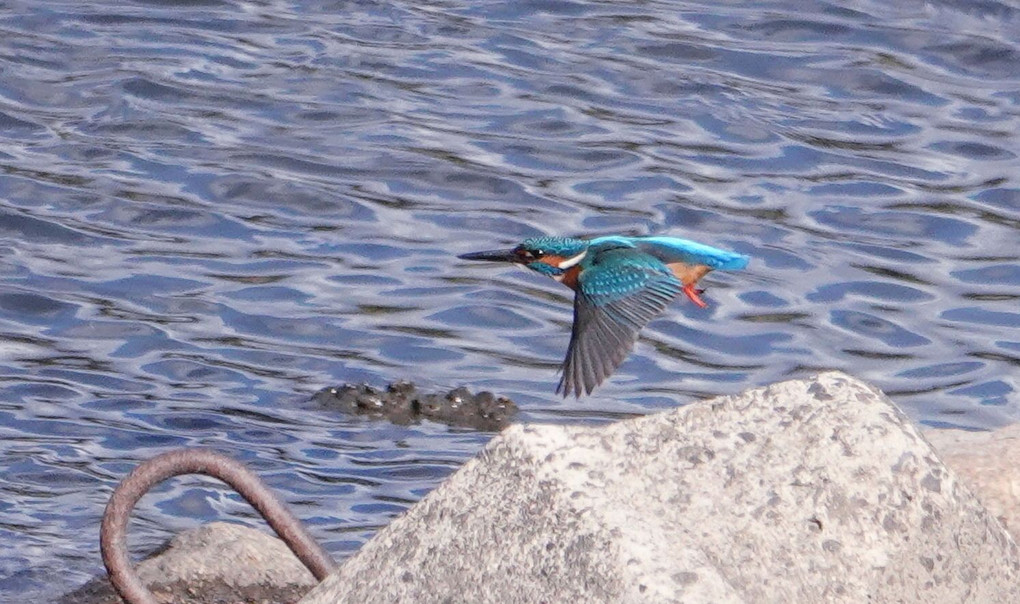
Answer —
(674, 249)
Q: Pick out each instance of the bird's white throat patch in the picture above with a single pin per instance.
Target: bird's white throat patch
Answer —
(569, 262)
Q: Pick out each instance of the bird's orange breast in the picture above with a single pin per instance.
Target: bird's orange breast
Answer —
(569, 277)
(688, 274)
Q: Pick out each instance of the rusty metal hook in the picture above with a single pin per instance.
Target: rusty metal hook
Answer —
(113, 531)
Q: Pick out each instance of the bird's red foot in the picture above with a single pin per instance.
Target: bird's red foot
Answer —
(695, 295)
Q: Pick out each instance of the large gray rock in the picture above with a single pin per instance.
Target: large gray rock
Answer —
(812, 490)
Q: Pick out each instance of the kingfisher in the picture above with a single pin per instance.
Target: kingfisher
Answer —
(620, 284)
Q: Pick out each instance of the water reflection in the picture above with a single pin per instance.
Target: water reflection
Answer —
(210, 210)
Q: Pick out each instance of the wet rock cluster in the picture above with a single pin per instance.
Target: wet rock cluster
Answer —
(402, 403)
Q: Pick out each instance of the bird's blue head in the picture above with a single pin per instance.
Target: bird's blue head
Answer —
(551, 256)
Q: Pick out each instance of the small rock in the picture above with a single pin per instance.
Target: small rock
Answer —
(215, 563)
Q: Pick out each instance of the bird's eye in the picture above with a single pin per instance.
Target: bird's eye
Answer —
(529, 255)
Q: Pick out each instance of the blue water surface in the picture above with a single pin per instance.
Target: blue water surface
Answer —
(211, 209)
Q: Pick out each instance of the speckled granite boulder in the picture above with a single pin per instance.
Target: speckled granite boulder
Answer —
(814, 490)
(217, 562)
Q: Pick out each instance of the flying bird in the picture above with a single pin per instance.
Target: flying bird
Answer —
(620, 284)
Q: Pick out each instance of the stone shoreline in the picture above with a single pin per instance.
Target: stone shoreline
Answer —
(808, 490)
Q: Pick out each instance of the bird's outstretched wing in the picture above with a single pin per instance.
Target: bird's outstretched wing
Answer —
(617, 294)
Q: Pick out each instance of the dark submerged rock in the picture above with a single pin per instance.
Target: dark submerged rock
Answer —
(402, 403)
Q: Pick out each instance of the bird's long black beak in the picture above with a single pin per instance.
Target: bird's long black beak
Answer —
(491, 256)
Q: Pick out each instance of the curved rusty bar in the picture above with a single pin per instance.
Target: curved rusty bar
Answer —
(113, 531)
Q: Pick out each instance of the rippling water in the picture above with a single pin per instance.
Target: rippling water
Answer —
(209, 210)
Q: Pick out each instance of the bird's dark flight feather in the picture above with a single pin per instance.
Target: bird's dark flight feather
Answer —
(613, 302)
